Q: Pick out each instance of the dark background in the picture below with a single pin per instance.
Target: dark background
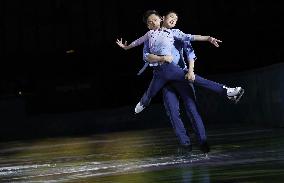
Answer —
(60, 55)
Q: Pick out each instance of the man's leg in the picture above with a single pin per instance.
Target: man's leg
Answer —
(187, 96)
(171, 104)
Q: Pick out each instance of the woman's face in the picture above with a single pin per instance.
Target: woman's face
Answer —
(154, 22)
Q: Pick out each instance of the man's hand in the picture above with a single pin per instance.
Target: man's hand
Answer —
(214, 41)
(190, 76)
(167, 58)
(121, 44)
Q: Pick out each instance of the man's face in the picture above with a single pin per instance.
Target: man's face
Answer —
(153, 22)
(170, 20)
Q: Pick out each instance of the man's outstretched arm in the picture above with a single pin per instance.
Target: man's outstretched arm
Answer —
(178, 34)
(212, 40)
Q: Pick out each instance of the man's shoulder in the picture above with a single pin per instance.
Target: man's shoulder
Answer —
(176, 30)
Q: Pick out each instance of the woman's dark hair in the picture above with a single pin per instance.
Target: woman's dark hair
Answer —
(149, 13)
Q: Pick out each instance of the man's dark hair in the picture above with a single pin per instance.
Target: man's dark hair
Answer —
(168, 12)
(149, 13)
